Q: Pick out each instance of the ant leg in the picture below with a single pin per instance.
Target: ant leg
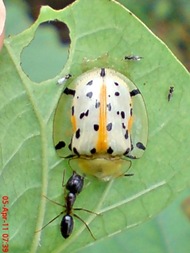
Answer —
(53, 201)
(49, 222)
(86, 210)
(85, 225)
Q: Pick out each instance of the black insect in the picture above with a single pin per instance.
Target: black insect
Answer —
(64, 79)
(73, 187)
(170, 93)
(133, 57)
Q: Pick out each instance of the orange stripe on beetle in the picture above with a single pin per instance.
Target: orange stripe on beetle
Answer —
(102, 143)
(73, 122)
(130, 124)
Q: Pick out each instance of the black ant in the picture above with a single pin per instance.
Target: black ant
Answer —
(170, 93)
(74, 185)
(133, 57)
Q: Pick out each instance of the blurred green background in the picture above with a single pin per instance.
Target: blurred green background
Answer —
(170, 21)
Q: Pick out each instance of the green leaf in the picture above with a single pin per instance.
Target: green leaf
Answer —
(168, 232)
(102, 32)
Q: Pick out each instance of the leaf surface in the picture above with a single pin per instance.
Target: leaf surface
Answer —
(30, 167)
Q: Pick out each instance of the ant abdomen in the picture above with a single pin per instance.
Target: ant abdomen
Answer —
(66, 225)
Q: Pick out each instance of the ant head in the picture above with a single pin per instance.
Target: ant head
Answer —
(75, 183)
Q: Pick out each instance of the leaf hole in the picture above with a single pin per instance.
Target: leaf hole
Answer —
(46, 55)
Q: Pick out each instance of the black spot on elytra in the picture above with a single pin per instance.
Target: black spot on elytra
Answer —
(127, 151)
(109, 106)
(126, 135)
(122, 114)
(93, 151)
(117, 93)
(134, 92)
(68, 91)
(131, 111)
(116, 83)
(89, 94)
(72, 110)
(90, 82)
(69, 146)
(110, 150)
(96, 127)
(140, 146)
(109, 127)
(77, 134)
(97, 104)
(123, 126)
(59, 145)
(102, 73)
(84, 114)
(76, 151)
